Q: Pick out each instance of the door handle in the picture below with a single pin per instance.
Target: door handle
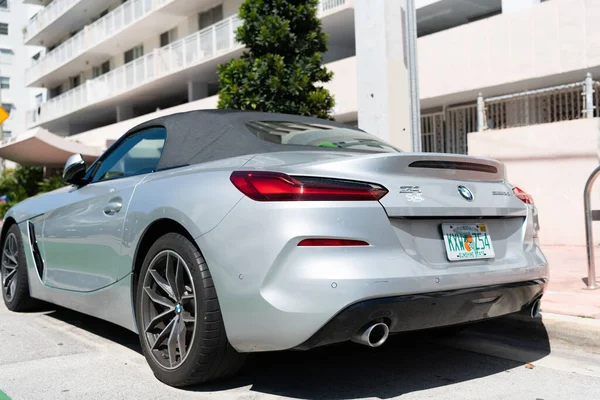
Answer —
(113, 207)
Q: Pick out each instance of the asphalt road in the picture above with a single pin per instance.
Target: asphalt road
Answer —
(60, 354)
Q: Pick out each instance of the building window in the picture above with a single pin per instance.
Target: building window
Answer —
(75, 81)
(3, 4)
(4, 82)
(39, 99)
(3, 28)
(101, 69)
(6, 56)
(210, 17)
(97, 17)
(134, 53)
(168, 37)
(7, 134)
(7, 107)
(55, 91)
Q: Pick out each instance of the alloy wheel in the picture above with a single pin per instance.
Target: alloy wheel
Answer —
(169, 307)
(9, 266)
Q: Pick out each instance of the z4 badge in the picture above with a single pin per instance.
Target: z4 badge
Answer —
(410, 189)
(413, 193)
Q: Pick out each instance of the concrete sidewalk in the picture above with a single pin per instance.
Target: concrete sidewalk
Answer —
(566, 292)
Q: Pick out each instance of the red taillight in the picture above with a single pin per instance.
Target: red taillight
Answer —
(523, 196)
(331, 242)
(275, 186)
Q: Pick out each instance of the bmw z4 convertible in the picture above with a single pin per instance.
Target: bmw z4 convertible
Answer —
(214, 234)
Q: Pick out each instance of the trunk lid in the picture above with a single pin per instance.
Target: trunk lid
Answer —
(419, 185)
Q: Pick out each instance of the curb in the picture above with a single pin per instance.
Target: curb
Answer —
(558, 329)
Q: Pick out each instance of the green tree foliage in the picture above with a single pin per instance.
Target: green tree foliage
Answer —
(281, 70)
(51, 183)
(23, 182)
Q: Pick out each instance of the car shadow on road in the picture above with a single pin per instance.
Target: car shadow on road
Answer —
(406, 363)
(97, 327)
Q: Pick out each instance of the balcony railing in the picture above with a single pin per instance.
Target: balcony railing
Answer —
(326, 5)
(107, 27)
(188, 51)
(92, 35)
(46, 16)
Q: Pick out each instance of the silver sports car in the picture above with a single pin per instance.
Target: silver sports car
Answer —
(214, 234)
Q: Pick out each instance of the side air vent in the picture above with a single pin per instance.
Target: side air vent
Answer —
(459, 165)
(37, 256)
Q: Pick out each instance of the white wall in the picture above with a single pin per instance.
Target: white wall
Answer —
(344, 88)
(516, 5)
(551, 162)
(231, 7)
(544, 41)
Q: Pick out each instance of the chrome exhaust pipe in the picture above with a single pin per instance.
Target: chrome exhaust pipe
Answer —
(534, 310)
(372, 335)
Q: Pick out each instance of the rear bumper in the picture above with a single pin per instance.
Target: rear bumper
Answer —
(276, 295)
(429, 310)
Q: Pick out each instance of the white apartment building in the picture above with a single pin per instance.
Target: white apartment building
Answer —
(108, 65)
(15, 97)
(107, 61)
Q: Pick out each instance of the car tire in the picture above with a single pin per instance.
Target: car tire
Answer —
(13, 273)
(209, 355)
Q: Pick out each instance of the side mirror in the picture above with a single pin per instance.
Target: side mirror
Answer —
(74, 170)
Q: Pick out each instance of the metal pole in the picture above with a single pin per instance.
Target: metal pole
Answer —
(589, 96)
(589, 236)
(413, 75)
(480, 113)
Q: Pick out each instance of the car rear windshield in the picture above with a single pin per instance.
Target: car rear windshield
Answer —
(317, 135)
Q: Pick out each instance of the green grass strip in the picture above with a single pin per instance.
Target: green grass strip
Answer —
(3, 396)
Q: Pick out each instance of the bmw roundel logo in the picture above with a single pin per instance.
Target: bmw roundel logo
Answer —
(465, 193)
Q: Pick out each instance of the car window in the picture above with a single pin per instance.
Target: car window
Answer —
(318, 135)
(136, 155)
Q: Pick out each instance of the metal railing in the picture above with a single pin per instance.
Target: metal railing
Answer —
(555, 104)
(326, 5)
(55, 58)
(186, 52)
(432, 133)
(46, 16)
(446, 131)
(102, 29)
(461, 120)
(590, 216)
(561, 103)
(121, 17)
(106, 27)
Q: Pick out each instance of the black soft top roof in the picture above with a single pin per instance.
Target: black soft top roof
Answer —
(206, 135)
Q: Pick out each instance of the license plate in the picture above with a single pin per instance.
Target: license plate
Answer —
(467, 241)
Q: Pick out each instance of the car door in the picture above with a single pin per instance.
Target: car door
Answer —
(82, 238)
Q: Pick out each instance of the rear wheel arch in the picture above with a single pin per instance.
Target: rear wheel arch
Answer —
(152, 233)
(10, 221)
